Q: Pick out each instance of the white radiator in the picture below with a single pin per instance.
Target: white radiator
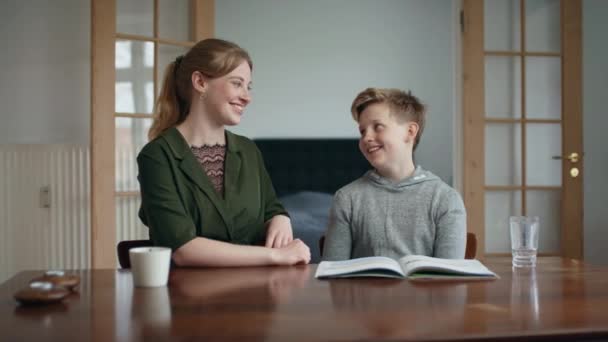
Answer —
(128, 224)
(44, 208)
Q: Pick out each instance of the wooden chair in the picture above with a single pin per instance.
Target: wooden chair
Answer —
(469, 253)
(123, 250)
(471, 248)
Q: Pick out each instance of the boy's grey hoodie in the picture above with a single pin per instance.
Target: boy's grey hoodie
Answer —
(375, 216)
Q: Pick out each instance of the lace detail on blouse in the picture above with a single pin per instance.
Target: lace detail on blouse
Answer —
(212, 160)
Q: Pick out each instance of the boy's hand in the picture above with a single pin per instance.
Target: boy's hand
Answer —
(279, 232)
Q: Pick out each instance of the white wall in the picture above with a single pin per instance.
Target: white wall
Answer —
(45, 73)
(312, 57)
(595, 88)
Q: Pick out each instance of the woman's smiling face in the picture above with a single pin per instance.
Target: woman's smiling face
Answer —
(227, 96)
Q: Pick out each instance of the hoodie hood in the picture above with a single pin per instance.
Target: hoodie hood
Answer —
(419, 176)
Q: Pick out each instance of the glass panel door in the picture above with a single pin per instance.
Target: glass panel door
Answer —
(523, 119)
(150, 35)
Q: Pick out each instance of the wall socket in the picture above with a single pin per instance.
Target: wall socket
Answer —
(45, 197)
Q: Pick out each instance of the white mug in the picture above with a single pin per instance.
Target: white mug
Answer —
(150, 266)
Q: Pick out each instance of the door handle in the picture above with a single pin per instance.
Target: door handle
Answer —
(572, 157)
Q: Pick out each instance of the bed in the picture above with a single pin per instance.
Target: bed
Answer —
(305, 174)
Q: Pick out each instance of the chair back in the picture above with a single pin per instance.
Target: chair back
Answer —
(123, 250)
(469, 253)
(471, 249)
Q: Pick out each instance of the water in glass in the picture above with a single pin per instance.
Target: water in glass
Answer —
(524, 240)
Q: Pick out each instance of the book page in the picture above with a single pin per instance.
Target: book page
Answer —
(368, 266)
(420, 263)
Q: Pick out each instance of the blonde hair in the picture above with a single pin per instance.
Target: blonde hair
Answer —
(403, 105)
(213, 58)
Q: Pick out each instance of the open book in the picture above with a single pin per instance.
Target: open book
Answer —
(411, 266)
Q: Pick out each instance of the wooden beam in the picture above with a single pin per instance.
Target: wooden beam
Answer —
(521, 188)
(127, 36)
(203, 19)
(103, 229)
(522, 53)
(473, 114)
(523, 146)
(522, 120)
(135, 115)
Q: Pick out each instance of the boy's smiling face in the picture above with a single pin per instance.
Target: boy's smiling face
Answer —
(385, 142)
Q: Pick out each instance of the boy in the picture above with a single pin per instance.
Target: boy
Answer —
(398, 208)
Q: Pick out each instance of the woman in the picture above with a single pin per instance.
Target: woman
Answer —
(205, 191)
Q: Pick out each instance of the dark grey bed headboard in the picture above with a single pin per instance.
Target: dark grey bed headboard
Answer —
(322, 165)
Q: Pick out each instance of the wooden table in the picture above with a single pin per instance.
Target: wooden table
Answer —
(561, 299)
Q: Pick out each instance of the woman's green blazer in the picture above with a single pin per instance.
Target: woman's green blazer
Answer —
(179, 202)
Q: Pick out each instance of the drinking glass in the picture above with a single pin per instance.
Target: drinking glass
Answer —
(524, 240)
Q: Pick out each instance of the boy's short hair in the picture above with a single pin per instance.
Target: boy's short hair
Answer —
(403, 106)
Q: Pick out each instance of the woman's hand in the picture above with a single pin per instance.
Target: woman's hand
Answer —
(295, 252)
(279, 232)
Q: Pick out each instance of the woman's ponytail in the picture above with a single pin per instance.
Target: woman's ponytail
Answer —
(168, 108)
